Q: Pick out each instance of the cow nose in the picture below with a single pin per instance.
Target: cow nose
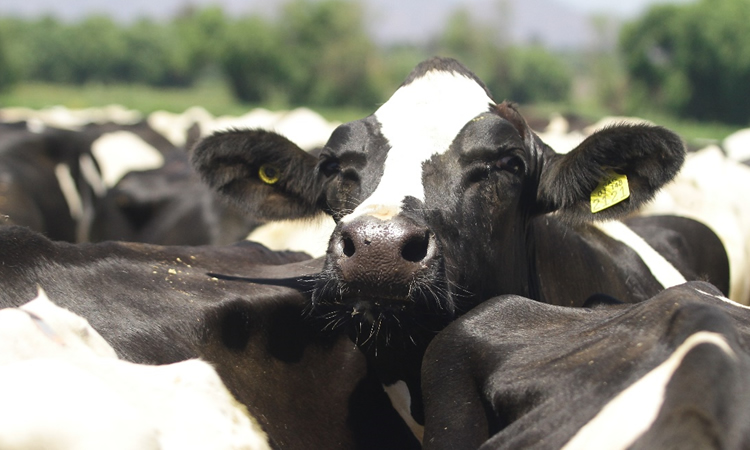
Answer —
(382, 253)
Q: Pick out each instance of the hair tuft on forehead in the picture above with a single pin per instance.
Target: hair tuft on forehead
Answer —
(441, 64)
(509, 111)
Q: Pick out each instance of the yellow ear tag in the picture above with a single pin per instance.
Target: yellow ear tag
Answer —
(610, 191)
(269, 174)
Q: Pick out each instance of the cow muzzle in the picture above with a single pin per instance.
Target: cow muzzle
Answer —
(381, 259)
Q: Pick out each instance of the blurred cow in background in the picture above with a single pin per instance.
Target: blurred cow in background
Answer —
(111, 174)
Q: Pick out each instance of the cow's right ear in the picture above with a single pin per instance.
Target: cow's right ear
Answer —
(263, 172)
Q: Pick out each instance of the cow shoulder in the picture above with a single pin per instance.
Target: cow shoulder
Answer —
(675, 238)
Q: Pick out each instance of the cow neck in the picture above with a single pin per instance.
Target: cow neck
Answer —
(533, 285)
(568, 263)
(516, 274)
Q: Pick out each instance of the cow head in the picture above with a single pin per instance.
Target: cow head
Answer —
(432, 195)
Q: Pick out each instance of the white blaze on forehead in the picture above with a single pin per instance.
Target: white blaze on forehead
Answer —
(640, 403)
(419, 121)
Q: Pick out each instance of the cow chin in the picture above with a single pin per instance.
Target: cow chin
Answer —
(384, 319)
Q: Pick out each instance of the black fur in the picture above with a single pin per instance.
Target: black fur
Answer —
(156, 305)
(516, 373)
(649, 156)
(229, 162)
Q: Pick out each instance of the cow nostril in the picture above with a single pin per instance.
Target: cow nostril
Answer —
(415, 249)
(348, 247)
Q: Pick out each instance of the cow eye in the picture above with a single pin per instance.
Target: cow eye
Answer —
(269, 174)
(511, 163)
(329, 166)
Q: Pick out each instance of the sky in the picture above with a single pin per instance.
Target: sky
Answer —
(623, 8)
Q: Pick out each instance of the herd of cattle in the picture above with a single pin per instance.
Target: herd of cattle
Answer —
(441, 274)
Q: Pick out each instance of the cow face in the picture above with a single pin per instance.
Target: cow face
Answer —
(433, 195)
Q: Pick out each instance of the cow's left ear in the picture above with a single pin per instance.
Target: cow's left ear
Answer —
(263, 172)
(610, 174)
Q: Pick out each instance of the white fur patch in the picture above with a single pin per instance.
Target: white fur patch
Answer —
(724, 299)
(419, 121)
(70, 191)
(92, 176)
(664, 272)
(401, 401)
(632, 412)
(120, 152)
(302, 235)
(62, 387)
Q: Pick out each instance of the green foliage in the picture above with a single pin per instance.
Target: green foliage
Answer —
(257, 69)
(522, 74)
(147, 42)
(530, 74)
(692, 60)
(99, 50)
(202, 34)
(315, 53)
(88, 51)
(334, 61)
(8, 68)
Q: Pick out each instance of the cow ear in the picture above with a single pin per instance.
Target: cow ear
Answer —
(610, 174)
(263, 172)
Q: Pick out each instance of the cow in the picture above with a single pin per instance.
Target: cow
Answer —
(669, 372)
(63, 387)
(151, 193)
(48, 182)
(710, 188)
(55, 180)
(110, 181)
(168, 205)
(157, 305)
(737, 145)
(61, 117)
(444, 198)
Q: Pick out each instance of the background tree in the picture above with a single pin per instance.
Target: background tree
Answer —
(155, 55)
(255, 63)
(9, 73)
(316, 53)
(530, 74)
(201, 37)
(334, 61)
(522, 74)
(692, 60)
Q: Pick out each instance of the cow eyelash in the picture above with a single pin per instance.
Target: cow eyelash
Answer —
(511, 163)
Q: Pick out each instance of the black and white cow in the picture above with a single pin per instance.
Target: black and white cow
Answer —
(110, 182)
(155, 305)
(47, 181)
(444, 199)
(63, 387)
(669, 372)
(168, 205)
